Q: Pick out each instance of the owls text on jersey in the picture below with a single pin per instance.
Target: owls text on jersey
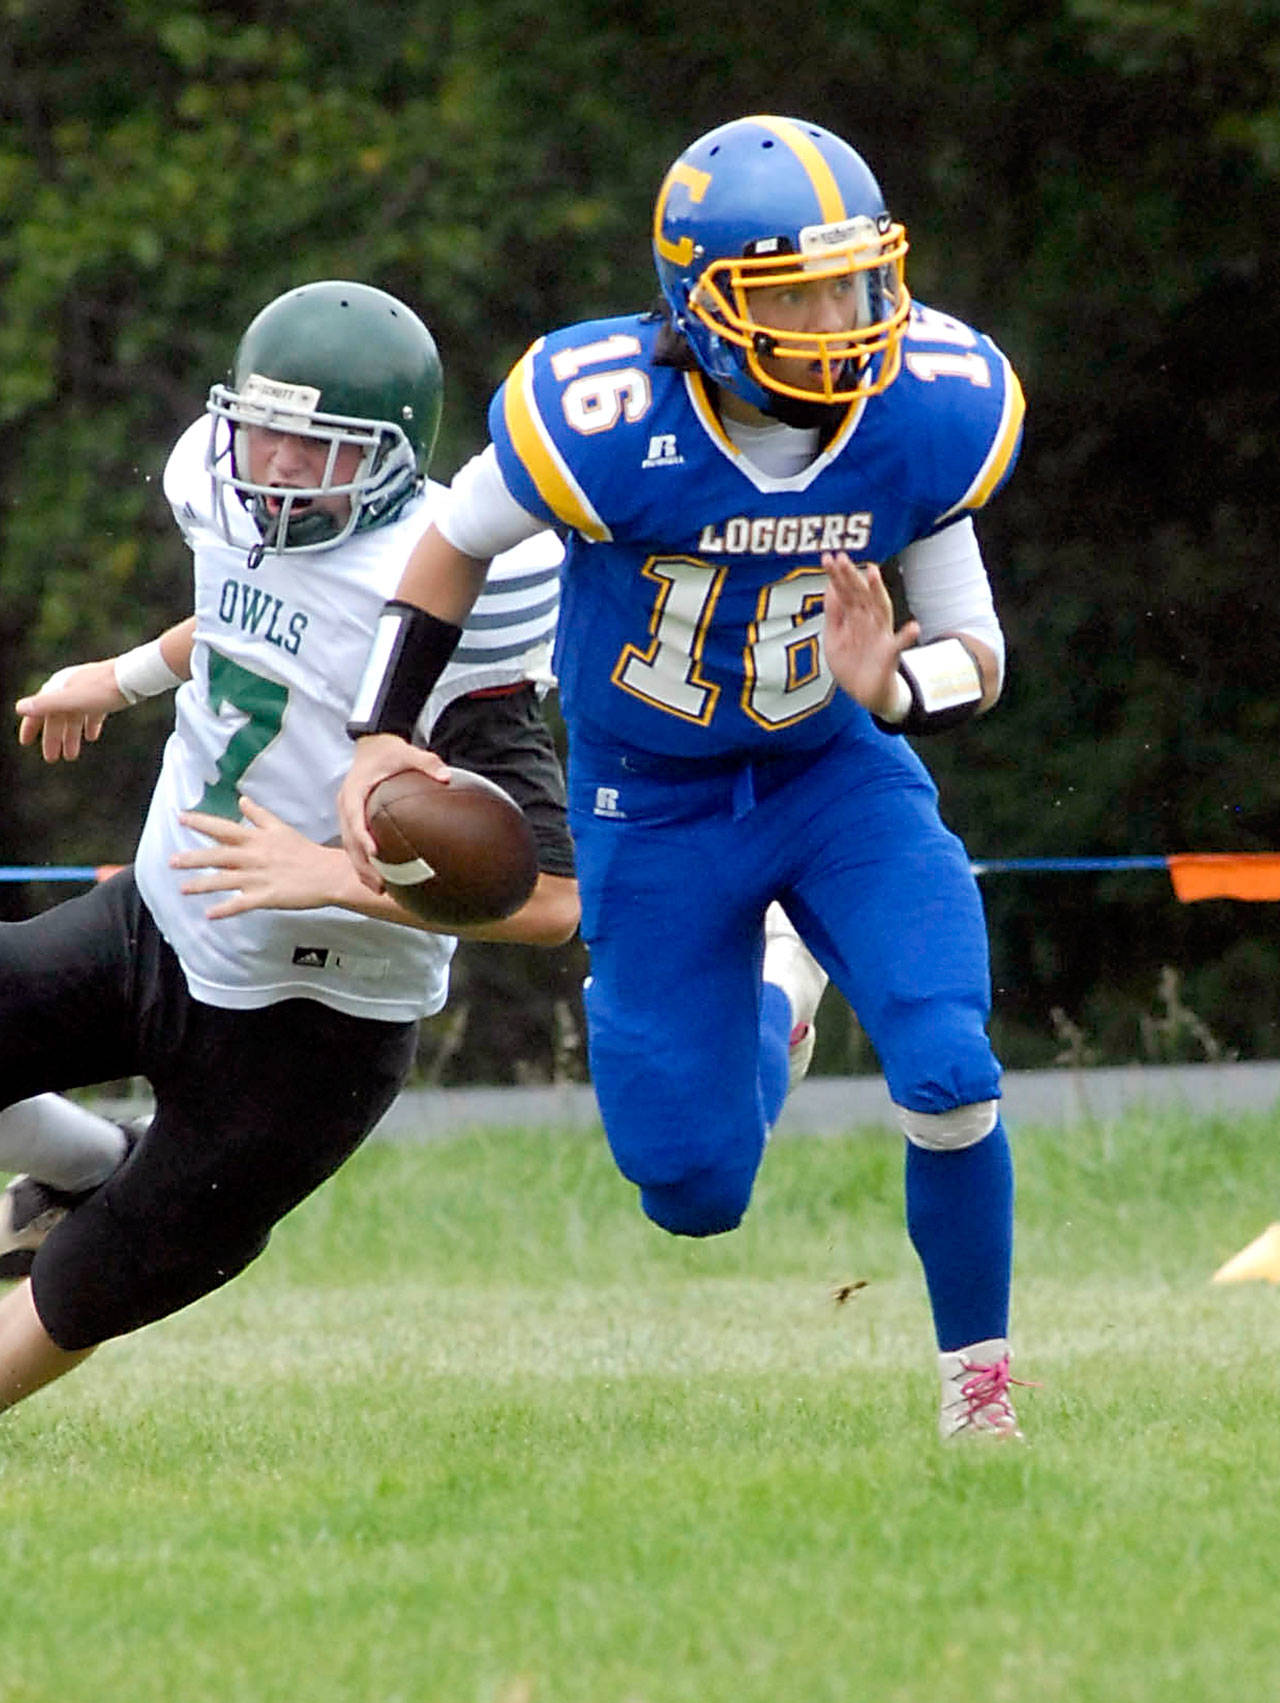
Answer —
(692, 611)
(278, 649)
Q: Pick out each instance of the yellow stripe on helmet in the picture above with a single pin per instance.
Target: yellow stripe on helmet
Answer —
(830, 200)
(541, 459)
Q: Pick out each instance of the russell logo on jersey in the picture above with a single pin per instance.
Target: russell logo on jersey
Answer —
(663, 452)
(607, 803)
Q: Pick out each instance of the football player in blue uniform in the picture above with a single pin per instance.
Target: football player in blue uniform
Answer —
(730, 473)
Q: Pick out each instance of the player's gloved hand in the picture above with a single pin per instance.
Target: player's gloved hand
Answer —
(377, 756)
(861, 646)
(69, 709)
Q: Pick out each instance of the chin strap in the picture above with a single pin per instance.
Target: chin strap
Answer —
(269, 526)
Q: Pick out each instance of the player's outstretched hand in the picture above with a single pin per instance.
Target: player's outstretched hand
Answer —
(377, 756)
(861, 646)
(69, 709)
(261, 861)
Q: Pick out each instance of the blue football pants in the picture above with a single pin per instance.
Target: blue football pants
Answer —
(676, 866)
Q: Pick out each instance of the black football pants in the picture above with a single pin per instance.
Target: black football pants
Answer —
(254, 1109)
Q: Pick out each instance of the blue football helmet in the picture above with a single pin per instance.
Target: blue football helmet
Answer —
(344, 363)
(779, 204)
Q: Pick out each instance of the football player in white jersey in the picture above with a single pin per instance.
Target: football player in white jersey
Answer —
(730, 475)
(273, 1038)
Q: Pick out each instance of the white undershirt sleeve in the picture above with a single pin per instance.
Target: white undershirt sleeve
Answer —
(479, 516)
(947, 589)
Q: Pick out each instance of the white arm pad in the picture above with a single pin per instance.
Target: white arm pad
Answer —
(941, 676)
(936, 686)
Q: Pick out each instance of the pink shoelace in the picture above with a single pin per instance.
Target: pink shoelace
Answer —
(988, 1387)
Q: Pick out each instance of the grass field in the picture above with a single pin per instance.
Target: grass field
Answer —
(471, 1432)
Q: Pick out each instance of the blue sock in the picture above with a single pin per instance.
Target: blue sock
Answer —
(775, 1050)
(960, 1220)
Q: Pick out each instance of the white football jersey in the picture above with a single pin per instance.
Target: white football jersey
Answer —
(279, 649)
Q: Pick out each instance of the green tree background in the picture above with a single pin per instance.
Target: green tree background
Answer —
(1093, 182)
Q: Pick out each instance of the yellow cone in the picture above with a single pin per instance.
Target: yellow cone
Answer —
(1259, 1261)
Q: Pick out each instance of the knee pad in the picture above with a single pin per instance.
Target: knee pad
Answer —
(948, 1132)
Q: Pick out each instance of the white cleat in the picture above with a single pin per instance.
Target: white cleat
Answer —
(975, 1393)
(790, 965)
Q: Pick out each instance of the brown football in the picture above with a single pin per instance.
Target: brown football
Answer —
(452, 854)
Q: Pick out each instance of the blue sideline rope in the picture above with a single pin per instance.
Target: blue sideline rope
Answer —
(980, 866)
(1055, 865)
(48, 872)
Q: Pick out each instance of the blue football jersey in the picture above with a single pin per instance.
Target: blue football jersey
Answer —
(691, 612)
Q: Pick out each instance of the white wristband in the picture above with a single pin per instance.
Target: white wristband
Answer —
(901, 702)
(144, 673)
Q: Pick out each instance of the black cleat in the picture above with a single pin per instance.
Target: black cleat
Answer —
(29, 1209)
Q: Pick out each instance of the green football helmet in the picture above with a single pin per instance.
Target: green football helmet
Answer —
(343, 363)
